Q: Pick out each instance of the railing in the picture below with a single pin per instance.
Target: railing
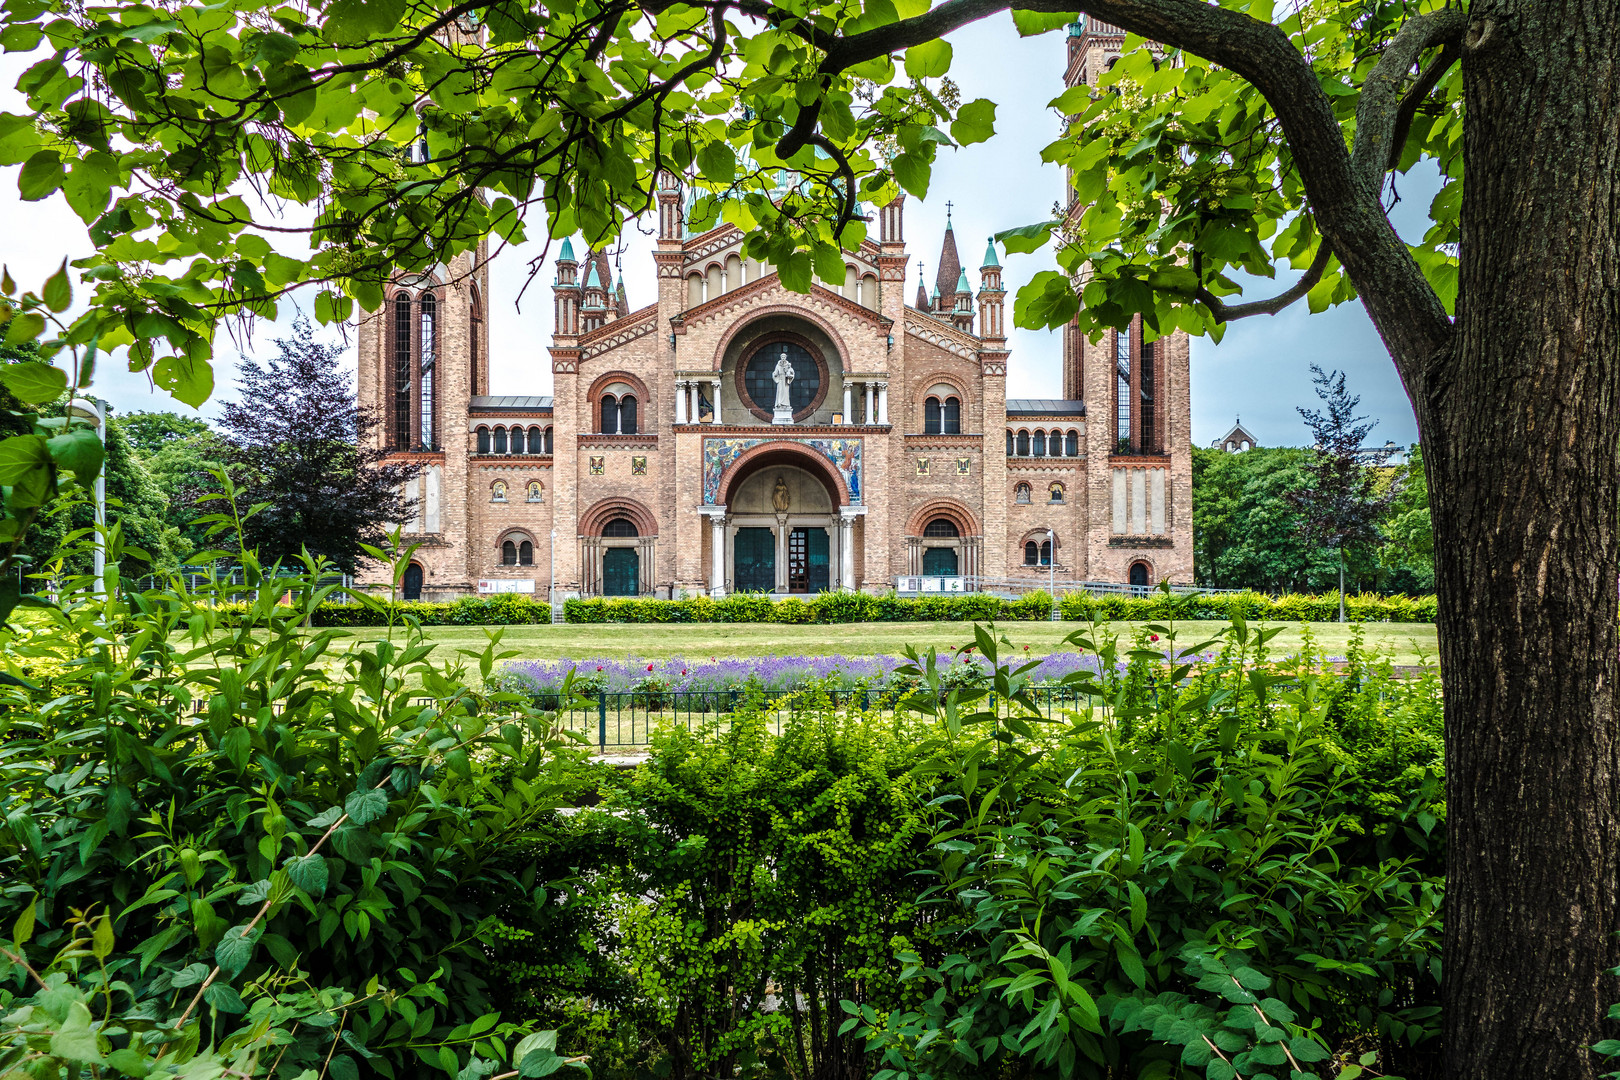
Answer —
(620, 719)
(929, 585)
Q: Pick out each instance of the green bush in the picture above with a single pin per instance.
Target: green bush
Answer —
(1290, 607)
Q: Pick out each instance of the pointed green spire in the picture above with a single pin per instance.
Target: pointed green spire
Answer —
(990, 256)
(591, 279)
(567, 252)
(962, 285)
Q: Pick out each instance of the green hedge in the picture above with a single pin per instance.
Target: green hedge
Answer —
(844, 607)
(836, 607)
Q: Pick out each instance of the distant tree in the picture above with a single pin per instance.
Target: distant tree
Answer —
(298, 441)
(183, 468)
(1341, 506)
(1407, 557)
(150, 432)
(1246, 527)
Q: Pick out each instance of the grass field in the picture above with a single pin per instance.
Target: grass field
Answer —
(1408, 643)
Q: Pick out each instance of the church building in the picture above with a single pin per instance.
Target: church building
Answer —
(730, 435)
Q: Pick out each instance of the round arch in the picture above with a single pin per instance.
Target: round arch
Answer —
(950, 509)
(594, 520)
(594, 396)
(782, 453)
(739, 373)
(719, 359)
(1145, 566)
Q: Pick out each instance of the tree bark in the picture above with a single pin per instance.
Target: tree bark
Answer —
(1521, 438)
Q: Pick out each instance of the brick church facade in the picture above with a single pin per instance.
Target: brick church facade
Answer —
(660, 465)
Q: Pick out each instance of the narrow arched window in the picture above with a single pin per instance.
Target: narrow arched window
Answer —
(951, 421)
(610, 415)
(627, 415)
(1009, 444)
(941, 528)
(1071, 445)
(931, 416)
(620, 527)
(549, 449)
(483, 440)
(537, 441)
(474, 330)
(1032, 554)
(402, 371)
(1023, 444)
(509, 554)
(430, 350)
(517, 440)
(500, 440)
(1046, 553)
(1040, 444)
(526, 554)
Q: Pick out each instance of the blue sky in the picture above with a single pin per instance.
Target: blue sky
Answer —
(1261, 370)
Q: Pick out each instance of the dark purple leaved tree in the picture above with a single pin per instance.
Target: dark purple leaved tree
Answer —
(300, 442)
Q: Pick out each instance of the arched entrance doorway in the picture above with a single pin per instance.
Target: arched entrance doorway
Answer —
(1140, 578)
(410, 586)
(787, 527)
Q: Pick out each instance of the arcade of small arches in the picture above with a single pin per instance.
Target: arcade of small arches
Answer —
(1054, 442)
(1023, 493)
(515, 439)
(722, 276)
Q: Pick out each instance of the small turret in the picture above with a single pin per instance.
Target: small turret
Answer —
(593, 312)
(962, 307)
(565, 293)
(922, 292)
(991, 296)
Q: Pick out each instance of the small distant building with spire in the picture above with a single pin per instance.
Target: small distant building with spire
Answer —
(674, 457)
(1237, 440)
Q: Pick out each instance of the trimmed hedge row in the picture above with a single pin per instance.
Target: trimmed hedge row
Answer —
(833, 607)
(844, 607)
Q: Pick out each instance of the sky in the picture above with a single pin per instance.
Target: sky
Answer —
(1260, 371)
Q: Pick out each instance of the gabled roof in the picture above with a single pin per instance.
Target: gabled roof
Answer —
(1045, 407)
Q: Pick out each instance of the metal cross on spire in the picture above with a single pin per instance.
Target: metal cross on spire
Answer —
(947, 213)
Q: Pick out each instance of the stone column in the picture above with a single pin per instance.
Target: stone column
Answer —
(680, 401)
(868, 415)
(846, 551)
(781, 553)
(849, 402)
(717, 571)
(695, 414)
(716, 384)
(883, 403)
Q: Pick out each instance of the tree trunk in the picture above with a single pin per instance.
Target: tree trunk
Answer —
(1521, 434)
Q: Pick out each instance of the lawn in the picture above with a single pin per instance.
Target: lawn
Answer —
(1409, 643)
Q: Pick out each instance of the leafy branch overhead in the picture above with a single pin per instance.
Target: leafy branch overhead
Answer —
(206, 147)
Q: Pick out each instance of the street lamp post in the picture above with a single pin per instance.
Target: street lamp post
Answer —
(551, 575)
(96, 414)
(1051, 563)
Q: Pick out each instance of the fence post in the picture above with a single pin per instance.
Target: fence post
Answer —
(601, 719)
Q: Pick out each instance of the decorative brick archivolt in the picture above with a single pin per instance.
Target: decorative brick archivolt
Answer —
(594, 396)
(800, 307)
(951, 510)
(619, 332)
(941, 338)
(782, 452)
(793, 311)
(594, 520)
(740, 371)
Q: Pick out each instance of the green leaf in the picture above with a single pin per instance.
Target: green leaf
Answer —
(25, 467)
(538, 1040)
(352, 21)
(929, 60)
(1046, 303)
(1026, 238)
(33, 381)
(975, 122)
(237, 745)
(1307, 1049)
(539, 1062)
(364, 807)
(190, 380)
(1247, 977)
(235, 950)
(912, 171)
(25, 327)
(1031, 23)
(41, 175)
(75, 1040)
(101, 940)
(224, 998)
(79, 452)
(23, 928)
(59, 290)
(717, 162)
(308, 873)
(190, 975)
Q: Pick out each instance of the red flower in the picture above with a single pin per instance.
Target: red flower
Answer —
(598, 667)
(1153, 637)
(1026, 648)
(683, 671)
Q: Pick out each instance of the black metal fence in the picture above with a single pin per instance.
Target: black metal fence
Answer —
(621, 719)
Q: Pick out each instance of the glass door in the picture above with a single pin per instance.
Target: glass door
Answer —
(809, 560)
(620, 569)
(754, 560)
(939, 562)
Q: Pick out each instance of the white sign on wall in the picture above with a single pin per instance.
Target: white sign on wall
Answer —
(930, 584)
(506, 585)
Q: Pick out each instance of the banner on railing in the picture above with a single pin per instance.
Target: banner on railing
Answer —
(939, 584)
(506, 585)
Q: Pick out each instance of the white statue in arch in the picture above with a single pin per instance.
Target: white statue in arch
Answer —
(783, 376)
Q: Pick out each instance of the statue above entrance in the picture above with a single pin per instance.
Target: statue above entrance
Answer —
(783, 377)
(780, 498)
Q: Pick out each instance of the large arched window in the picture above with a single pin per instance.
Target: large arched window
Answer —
(1040, 444)
(931, 416)
(429, 348)
(941, 528)
(1023, 444)
(1046, 553)
(952, 418)
(758, 387)
(517, 439)
(620, 528)
(627, 415)
(537, 442)
(402, 371)
(610, 415)
(526, 554)
(475, 327)
(1032, 553)
(483, 439)
(549, 449)
(500, 440)
(1071, 445)
(509, 554)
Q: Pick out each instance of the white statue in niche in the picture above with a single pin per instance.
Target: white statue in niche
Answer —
(783, 376)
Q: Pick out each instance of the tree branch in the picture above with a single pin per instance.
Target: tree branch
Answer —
(1415, 97)
(1382, 107)
(1223, 312)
